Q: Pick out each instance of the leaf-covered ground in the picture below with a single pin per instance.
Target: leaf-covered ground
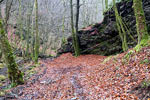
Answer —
(90, 77)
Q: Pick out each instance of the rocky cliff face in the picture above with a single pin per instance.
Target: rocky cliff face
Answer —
(103, 38)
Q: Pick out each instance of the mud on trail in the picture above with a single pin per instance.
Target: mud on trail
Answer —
(87, 77)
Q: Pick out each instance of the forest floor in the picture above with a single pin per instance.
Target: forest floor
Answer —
(124, 76)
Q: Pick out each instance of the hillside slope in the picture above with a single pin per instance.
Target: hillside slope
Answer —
(90, 77)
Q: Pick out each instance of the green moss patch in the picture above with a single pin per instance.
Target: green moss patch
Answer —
(144, 43)
(145, 61)
(107, 59)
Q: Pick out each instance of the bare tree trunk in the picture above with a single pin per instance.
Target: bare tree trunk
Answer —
(8, 8)
(20, 28)
(77, 15)
(72, 26)
(28, 31)
(37, 33)
(77, 21)
(103, 6)
(33, 34)
(1, 1)
(20, 20)
(121, 29)
(74, 34)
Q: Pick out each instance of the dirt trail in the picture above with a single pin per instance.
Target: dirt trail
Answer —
(64, 78)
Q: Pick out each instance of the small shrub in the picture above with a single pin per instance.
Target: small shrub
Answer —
(145, 61)
(127, 57)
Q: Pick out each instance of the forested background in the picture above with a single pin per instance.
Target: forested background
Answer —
(54, 20)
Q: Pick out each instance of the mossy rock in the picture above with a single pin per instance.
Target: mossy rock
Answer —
(1, 65)
(2, 93)
(2, 77)
(1, 84)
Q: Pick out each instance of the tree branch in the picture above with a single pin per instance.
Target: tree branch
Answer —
(1, 1)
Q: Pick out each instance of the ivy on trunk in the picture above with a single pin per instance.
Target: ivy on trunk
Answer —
(14, 74)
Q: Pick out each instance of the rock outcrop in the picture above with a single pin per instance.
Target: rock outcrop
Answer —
(103, 38)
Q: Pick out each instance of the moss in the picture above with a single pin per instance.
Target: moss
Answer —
(51, 55)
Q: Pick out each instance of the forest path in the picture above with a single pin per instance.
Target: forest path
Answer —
(70, 75)
(87, 77)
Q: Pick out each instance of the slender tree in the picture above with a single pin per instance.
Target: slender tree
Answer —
(20, 20)
(74, 34)
(37, 45)
(8, 8)
(106, 4)
(121, 29)
(28, 30)
(1, 1)
(77, 23)
(63, 25)
(140, 20)
(103, 5)
(20, 28)
(32, 33)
